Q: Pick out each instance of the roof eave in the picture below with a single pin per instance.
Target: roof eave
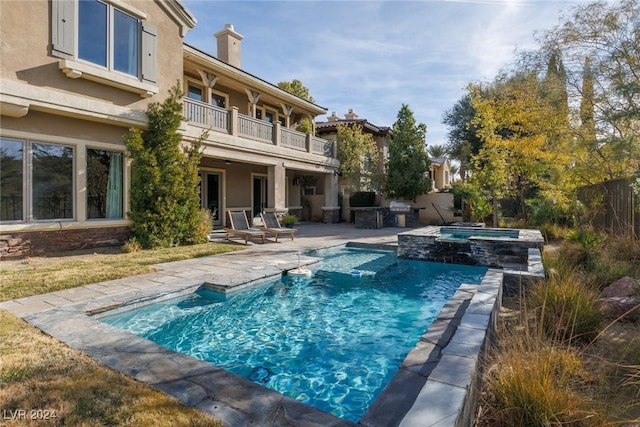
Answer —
(249, 79)
(180, 13)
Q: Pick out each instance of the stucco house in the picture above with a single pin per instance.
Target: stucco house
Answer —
(381, 135)
(440, 173)
(432, 205)
(85, 72)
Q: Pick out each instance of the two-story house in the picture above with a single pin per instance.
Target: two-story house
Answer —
(432, 205)
(85, 72)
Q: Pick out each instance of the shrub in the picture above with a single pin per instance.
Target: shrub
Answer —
(530, 384)
(362, 199)
(566, 309)
(288, 219)
(544, 211)
(588, 239)
(552, 233)
(131, 245)
(165, 198)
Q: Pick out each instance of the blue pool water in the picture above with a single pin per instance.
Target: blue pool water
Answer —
(332, 341)
(463, 234)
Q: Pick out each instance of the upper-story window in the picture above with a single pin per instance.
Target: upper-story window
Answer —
(195, 92)
(218, 100)
(106, 41)
(108, 37)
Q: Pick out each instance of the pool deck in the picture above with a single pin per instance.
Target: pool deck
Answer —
(432, 387)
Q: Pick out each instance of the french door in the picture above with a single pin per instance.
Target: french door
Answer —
(210, 194)
(259, 202)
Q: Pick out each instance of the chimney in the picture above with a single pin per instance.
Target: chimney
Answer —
(229, 45)
(351, 115)
(333, 117)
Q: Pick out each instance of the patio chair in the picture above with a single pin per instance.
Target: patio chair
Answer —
(272, 226)
(239, 227)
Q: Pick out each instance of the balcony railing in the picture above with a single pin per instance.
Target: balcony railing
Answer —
(206, 115)
(292, 139)
(251, 128)
(233, 123)
(322, 146)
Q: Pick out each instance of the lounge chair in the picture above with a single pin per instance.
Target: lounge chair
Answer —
(239, 226)
(271, 225)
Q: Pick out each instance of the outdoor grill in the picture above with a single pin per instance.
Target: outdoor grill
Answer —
(400, 208)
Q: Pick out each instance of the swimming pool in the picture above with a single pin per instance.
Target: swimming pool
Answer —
(333, 341)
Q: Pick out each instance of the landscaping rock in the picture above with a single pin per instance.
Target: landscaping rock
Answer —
(614, 307)
(625, 287)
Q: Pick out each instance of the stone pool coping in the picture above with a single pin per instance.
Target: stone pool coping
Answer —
(435, 385)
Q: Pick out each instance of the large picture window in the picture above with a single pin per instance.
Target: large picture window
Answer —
(108, 37)
(104, 184)
(42, 191)
(11, 179)
(52, 181)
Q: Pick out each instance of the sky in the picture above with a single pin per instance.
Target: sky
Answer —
(374, 56)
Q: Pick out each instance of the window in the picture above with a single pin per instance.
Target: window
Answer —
(11, 178)
(194, 92)
(104, 184)
(269, 116)
(52, 181)
(94, 32)
(108, 37)
(263, 113)
(219, 100)
(36, 181)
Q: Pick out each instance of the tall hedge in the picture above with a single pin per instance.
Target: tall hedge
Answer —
(165, 199)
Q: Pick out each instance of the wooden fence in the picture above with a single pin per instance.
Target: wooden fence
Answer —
(612, 206)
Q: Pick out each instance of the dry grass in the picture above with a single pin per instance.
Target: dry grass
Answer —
(42, 275)
(40, 373)
(540, 374)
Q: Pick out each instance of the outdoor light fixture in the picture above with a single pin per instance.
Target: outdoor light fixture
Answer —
(227, 162)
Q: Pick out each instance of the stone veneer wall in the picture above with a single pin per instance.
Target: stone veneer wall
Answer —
(22, 244)
(331, 215)
(425, 244)
(297, 211)
(367, 218)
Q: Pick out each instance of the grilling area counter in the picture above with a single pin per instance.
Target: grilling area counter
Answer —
(398, 214)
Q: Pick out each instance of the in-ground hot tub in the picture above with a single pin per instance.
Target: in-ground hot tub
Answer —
(492, 247)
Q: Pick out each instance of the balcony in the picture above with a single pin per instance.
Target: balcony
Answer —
(231, 122)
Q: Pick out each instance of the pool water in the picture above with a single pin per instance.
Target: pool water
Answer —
(463, 234)
(332, 341)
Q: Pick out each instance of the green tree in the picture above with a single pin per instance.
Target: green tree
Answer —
(463, 136)
(519, 128)
(358, 156)
(297, 88)
(406, 174)
(436, 151)
(607, 86)
(165, 199)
